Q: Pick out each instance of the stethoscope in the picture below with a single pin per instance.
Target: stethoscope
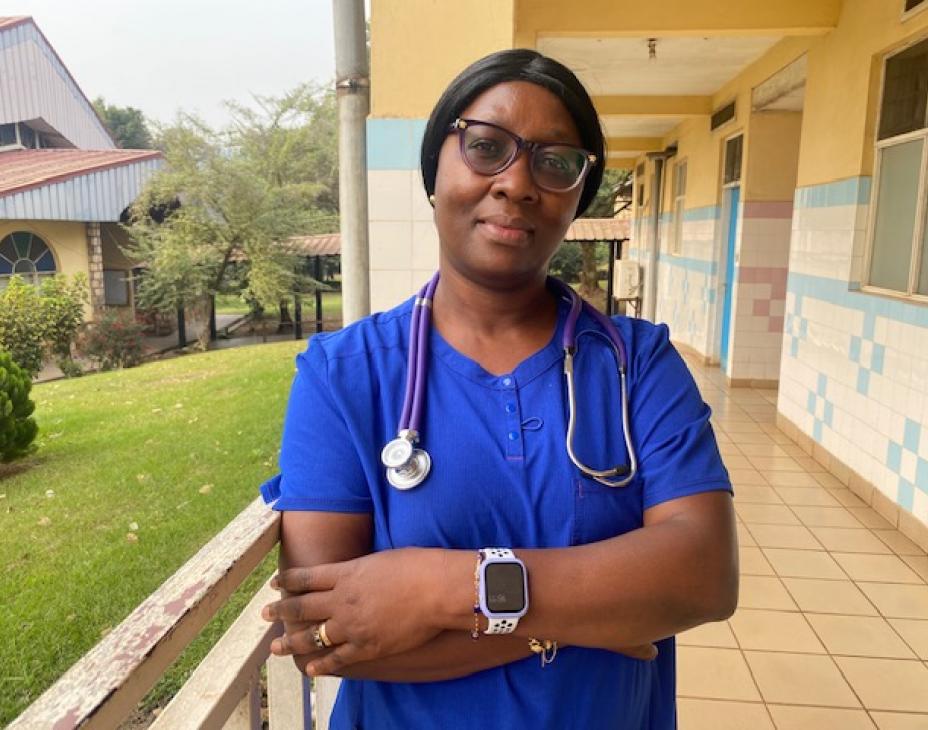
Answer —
(408, 465)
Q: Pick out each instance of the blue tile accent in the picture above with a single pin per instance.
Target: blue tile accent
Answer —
(706, 213)
(876, 360)
(850, 191)
(921, 474)
(863, 381)
(690, 264)
(393, 144)
(817, 431)
(913, 432)
(810, 402)
(822, 384)
(794, 347)
(803, 328)
(854, 352)
(710, 296)
(869, 323)
(829, 413)
(905, 496)
(894, 456)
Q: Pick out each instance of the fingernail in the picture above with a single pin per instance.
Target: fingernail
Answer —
(266, 613)
(275, 584)
(310, 670)
(275, 647)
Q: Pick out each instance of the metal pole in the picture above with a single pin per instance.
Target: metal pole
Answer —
(213, 335)
(181, 328)
(352, 86)
(317, 275)
(297, 317)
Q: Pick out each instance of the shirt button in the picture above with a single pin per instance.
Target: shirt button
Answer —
(507, 381)
(513, 436)
(510, 408)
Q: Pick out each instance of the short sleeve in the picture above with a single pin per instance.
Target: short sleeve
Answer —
(319, 465)
(677, 451)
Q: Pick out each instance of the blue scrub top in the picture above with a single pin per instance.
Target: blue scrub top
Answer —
(500, 477)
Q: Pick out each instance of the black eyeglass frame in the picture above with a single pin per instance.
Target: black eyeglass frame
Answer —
(459, 125)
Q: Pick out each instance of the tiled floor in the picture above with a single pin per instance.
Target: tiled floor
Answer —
(831, 632)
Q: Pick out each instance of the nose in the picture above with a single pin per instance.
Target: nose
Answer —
(516, 182)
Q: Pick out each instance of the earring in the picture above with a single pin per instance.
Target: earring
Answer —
(432, 200)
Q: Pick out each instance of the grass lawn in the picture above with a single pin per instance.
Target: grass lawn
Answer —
(331, 305)
(169, 452)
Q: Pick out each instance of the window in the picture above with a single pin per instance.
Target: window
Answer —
(27, 255)
(898, 255)
(116, 288)
(733, 150)
(679, 194)
(722, 116)
(912, 5)
(27, 136)
(8, 135)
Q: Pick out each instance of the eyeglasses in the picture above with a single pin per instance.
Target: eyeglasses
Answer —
(488, 149)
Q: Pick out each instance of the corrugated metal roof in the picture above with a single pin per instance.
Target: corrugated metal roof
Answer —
(597, 229)
(324, 244)
(36, 85)
(73, 185)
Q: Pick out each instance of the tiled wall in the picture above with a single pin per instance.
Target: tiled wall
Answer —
(854, 369)
(403, 241)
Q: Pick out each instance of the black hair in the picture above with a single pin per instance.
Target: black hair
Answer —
(518, 64)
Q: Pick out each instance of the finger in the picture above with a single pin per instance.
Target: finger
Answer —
(306, 607)
(295, 642)
(304, 580)
(333, 662)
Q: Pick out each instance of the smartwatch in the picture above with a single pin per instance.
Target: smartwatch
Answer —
(503, 589)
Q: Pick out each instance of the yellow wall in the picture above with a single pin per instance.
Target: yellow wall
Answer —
(418, 46)
(770, 169)
(842, 90)
(67, 240)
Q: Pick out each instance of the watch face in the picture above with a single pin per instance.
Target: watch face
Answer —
(505, 587)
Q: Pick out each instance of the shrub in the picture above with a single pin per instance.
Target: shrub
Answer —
(17, 427)
(63, 309)
(23, 325)
(114, 341)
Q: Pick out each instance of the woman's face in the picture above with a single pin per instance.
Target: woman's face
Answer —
(502, 230)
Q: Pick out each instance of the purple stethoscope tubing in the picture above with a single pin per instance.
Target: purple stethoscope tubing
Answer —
(417, 464)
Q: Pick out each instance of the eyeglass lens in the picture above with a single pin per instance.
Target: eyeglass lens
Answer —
(489, 150)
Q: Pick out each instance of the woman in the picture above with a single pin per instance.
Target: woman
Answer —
(382, 585)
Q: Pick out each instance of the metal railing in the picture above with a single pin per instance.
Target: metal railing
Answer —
(104, 687)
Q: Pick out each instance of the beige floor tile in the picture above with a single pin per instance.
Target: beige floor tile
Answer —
(752, 562)
(846, 497)
(753, 494)
(791, 479)
(774, 631)
(766, 464)
(879, 568)
(895, 600)
(801, 679)
(829, 480)
(735, 428)
(766, 514)
(869, 518)
(741, 477)
(899, 721)
(866, 636)
(850, 540)
(829, 596)
(761, 591)
(813, 516)
(716, 633)
(899, 543)
(919, 565)
(768, 450)
(803, 564)
(737, 462)
(914, 633)
(744, 537)
(761, 437)
(810, 465)
(817, 496)
(784, 536)
(695, 714)
(887, 684)
(719, 674)
(790, 717)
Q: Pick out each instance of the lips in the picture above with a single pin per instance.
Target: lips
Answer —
(506, 229)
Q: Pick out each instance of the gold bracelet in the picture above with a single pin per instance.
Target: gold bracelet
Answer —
(546, 648)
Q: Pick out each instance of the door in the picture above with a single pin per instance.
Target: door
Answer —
(732, 196)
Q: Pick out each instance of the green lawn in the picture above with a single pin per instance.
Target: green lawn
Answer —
(331, 305)
(170, 452)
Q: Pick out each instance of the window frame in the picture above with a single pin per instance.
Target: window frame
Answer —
(908, 14)
(678, 199)
(921, 205)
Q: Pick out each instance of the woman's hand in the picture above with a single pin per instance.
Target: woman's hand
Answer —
(374, 606)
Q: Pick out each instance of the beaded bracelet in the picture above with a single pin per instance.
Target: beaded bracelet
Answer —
(546, 648)
(475, 634)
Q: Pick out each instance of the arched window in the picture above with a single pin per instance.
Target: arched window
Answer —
(27, 255)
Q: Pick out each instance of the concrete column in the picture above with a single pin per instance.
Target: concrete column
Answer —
(95, 269)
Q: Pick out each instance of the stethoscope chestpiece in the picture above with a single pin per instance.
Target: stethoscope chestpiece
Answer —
(411, 473)
(396, 453)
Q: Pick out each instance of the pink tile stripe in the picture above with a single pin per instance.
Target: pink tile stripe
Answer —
(768, 209)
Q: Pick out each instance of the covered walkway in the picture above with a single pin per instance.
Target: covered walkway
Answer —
(831, 631)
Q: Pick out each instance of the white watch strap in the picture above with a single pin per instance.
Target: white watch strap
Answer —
(500, 625)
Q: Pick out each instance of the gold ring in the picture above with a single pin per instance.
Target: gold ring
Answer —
(323, 636)
(317, 637)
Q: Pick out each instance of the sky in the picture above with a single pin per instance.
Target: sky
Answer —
(162, 56)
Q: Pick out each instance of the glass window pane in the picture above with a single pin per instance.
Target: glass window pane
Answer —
(116, 288)
(733, 159)
(905, 92)
(922, 286)
(7, 134)
(895, 215)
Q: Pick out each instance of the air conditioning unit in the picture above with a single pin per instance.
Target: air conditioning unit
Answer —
(626, 283)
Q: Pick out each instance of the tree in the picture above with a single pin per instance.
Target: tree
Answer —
(63, 303)
(236, 194)
(22, 325)
(602, 206)
(127, 125)
(17, 427)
